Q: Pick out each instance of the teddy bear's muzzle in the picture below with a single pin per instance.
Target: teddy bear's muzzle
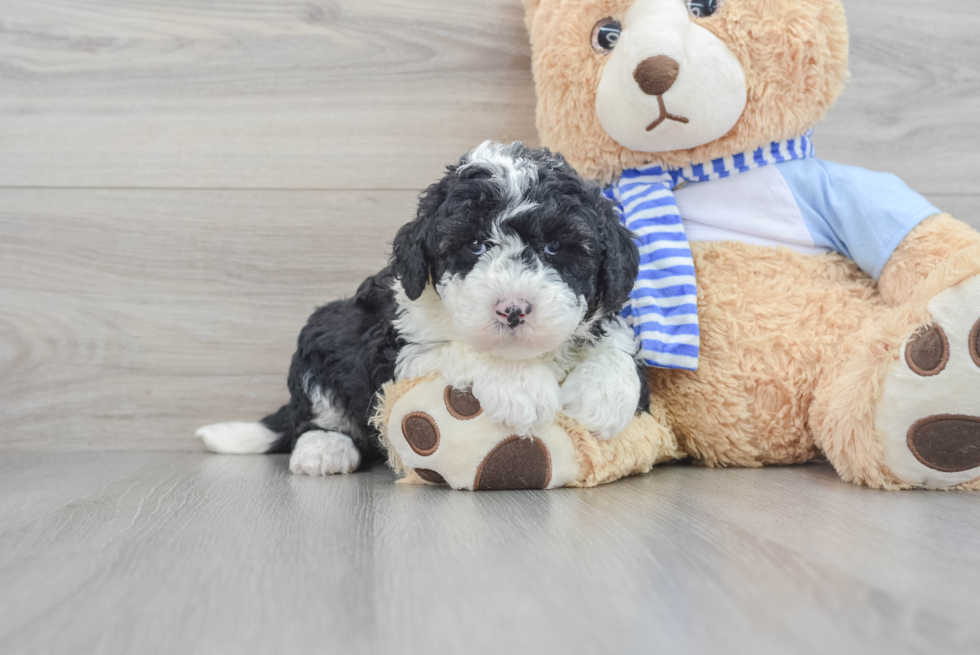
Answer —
(655, 75)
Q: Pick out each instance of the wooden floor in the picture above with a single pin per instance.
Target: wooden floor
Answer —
(182, 182)
(191, 553)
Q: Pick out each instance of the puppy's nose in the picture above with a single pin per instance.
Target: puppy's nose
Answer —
(657, 74)
(513, 312)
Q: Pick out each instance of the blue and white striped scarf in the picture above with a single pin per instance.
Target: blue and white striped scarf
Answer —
(663, 306)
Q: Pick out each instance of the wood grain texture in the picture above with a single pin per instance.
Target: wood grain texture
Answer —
(256, 93)
(342, 94)
(128, 318)
(191, 553)
(914, 94)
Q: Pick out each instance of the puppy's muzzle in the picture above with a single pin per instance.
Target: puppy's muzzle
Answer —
(513, 312)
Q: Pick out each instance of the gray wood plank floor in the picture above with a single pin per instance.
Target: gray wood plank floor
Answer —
(189, 553)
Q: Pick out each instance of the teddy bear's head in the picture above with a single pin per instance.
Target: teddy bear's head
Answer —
(623, 83)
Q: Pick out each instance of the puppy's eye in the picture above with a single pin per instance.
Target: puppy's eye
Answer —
(702, 8)
(605, 35)
(551, 249)
(477, 247)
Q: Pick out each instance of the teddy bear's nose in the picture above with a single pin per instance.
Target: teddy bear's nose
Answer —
(656, 75)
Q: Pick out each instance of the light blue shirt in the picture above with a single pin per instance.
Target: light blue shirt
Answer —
(778, 195)
(809, 205)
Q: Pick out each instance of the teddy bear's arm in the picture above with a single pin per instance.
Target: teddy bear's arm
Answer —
(894, 234)
(930, 244)
(861, 214)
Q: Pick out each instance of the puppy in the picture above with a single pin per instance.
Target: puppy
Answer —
(509, 282)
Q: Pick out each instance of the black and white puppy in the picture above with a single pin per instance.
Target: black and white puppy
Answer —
(509, 282)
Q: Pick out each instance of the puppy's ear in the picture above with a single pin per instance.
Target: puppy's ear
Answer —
(410, 249)
(409, 260)
(621, 258)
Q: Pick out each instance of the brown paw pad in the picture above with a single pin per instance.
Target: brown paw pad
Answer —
(927, 352)
(515, 463)
(948, 443)
(430, 476)
(421, 433)
(462, 404)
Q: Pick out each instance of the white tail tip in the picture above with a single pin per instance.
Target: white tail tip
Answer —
(237, 438)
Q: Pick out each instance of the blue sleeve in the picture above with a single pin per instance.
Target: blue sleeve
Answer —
(859, 213)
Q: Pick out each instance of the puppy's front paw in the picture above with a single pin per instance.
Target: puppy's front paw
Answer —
(324, 453)
(601, 397)
(527, 403)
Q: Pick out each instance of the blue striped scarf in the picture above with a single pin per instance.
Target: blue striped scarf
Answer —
(662, 308)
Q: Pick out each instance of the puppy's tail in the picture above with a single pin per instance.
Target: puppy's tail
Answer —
(271, 435)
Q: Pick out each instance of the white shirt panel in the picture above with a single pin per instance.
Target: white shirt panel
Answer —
(755, 207)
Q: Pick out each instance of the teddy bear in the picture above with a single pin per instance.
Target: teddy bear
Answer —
(788, 308)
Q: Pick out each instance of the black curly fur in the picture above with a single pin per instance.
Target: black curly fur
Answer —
(348, 348)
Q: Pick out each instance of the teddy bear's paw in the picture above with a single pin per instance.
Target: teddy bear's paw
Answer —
(445, 436)
(515, 463)
(929, 411)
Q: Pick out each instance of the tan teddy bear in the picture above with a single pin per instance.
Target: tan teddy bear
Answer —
(830, 312)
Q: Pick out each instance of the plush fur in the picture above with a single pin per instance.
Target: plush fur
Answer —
(794, 55)
(509, 282)
(797, 351)
(802, 357)
(645, 442)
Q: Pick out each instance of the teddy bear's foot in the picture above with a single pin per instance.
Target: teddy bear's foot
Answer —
(443, 436)
(929, 409)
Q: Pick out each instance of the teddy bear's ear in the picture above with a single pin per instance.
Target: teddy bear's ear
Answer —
(530, 7)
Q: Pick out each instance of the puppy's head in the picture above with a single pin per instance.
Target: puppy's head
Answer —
(515, 252)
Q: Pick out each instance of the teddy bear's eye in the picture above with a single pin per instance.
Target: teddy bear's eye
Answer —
(605, 35)
(702, 8)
